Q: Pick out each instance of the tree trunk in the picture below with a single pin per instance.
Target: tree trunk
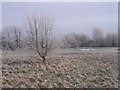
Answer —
(43, 59)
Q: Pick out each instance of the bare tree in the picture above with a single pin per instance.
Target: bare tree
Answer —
(6, 39)
(0, 38)
(11, 37)
(76, 40)
(69, 41)
(82, 39)
(111, 40)
(40, 31)
(17, 37)
(98, 37)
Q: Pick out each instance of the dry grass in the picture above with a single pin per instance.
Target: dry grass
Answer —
(63, 68)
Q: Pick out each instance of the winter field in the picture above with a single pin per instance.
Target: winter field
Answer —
(74, 68)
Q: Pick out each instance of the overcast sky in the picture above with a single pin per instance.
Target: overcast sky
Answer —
(69, 17)
(0, 16)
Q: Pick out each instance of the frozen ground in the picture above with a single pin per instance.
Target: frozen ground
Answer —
(0, 67)
(94, 67)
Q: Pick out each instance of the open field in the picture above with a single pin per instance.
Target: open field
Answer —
(95, 67)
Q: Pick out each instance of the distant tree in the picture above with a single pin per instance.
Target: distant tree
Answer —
(78, 39)
(98, 38)
(73, 40)
(82, 40)
(0, 38)
(11, 37)
(6, 39)
(69, 41)
(119, 38)
(111, 40)
(40, 33)
(17, 37)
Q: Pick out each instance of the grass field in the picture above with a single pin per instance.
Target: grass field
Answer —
(75, 68)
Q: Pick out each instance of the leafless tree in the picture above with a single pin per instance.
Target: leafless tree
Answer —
(69, 41)
(0, 38)
(82, 39)
(40, 31)
(119, 38)
(111, 40)
(76, 40)
(11, 37)
(98, 37)
(6, 39)
(17, 36)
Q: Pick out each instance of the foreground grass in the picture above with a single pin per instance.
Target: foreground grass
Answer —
(64, 69)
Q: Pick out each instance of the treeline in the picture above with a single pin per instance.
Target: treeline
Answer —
(13, 38)
(98, 39)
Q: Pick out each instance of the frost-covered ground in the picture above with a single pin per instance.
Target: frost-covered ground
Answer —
(0, 67)
(94, 67)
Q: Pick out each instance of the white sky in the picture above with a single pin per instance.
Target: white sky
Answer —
(60, 0)
(81, 17)
(0, 15)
